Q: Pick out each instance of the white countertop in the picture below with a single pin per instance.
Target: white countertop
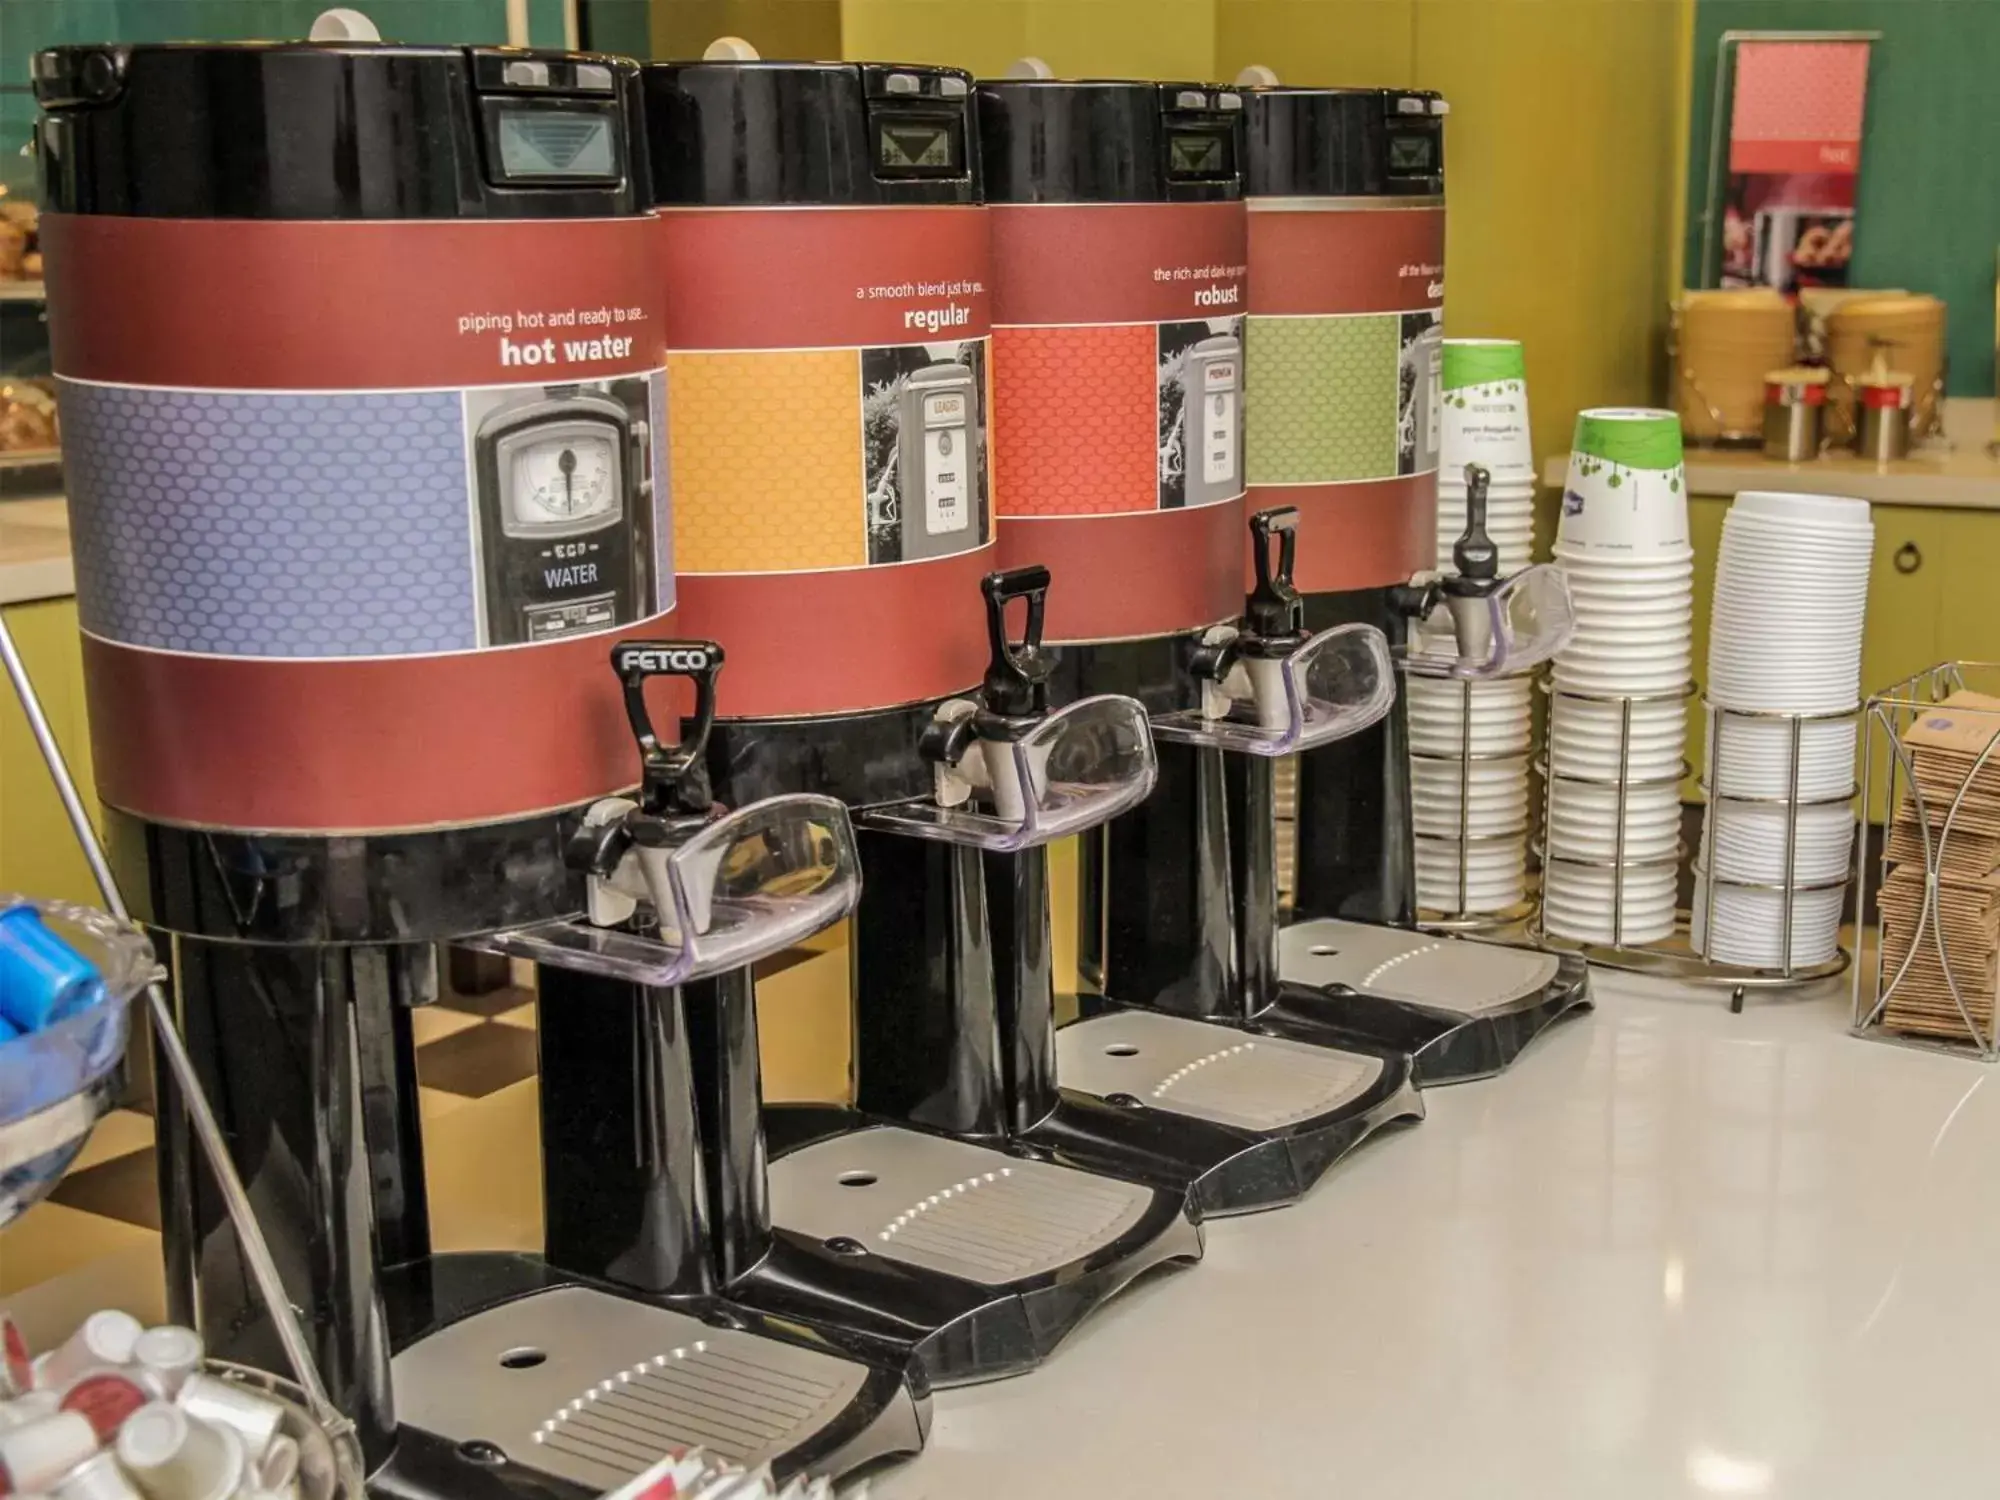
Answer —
(1673, 1252)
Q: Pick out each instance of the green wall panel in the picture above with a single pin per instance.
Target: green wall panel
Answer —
(1929, 204)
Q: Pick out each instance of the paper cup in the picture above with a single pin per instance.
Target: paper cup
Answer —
(36, 1454)
(1486, 410)
(103, 1338)
(174, 1458)
(1625, 495)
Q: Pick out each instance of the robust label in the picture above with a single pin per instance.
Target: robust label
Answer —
(321, 474)
(1118, 410)
(1344, 406)
(829, 369)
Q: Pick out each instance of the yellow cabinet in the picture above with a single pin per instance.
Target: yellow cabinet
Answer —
(38, 853)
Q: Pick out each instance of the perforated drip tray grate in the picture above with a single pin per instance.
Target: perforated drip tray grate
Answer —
(594, 1388)
(1465, 975)
(945, 1206)
(1210, 1072)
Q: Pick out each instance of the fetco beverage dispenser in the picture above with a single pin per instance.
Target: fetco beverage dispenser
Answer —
(360, 353)
(1118, 275)
(1345, 189)
(826, 267)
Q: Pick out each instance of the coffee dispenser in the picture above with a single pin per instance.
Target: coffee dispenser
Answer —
(1345, 192)
(1118, 283)
(825, 261)
(351, 553)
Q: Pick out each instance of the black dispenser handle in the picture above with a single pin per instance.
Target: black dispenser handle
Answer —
(1274, 610)
(1016, 685)
(1474, 556)
(673, 778)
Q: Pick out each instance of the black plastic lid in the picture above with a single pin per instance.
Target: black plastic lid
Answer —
(1344, 143)
(1110, 141)
(306, 130)
(741, 133)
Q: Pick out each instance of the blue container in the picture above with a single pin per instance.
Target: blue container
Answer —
(42, 978)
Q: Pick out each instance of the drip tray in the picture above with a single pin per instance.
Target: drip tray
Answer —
(1465, 975)
(1185, 1067)
(594, 1388)
(952, 1208)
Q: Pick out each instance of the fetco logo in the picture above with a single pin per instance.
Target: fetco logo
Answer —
(666, 656)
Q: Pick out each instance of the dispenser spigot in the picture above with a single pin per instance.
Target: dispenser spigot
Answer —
(622, 846)
(1014, 695)
(1473, 556)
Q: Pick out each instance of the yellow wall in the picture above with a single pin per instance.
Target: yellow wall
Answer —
(797, 29)
(38, 853)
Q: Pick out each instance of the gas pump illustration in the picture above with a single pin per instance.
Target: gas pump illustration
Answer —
(937, 457)
(1213, 415)
(558, 474)
(1422, 397)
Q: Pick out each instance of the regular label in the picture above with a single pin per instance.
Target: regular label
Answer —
(842, 425)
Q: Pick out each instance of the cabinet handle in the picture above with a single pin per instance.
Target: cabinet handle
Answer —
(1908, 558)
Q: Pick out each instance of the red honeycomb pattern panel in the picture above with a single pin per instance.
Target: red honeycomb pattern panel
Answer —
(1076, 420)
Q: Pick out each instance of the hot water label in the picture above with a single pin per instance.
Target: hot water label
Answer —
(401, 478)
(355, 480)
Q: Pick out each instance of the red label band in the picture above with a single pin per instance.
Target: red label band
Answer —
(1131, 576)
(359, 746)
(842, 642)
(1117, 262)
(823, 278)
(282, 305)
(1321, 261)
(1367, 535)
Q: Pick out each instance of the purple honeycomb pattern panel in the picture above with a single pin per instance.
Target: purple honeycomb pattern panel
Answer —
(231, 523)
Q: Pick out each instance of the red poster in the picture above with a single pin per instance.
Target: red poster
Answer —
(1794, 154)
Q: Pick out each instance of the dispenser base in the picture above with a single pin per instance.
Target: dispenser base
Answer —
(1461, 1007)
(514, 1380)
(1009, 1253)
(1238, 1123)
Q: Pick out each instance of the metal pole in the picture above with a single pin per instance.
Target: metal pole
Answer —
(256, 1254)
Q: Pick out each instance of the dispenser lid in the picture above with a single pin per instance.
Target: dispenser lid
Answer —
(1047, 140)
(337, 130)
(1343, 143)
(733, 132)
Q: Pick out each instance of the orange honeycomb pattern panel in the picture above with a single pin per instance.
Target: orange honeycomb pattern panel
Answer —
(766, 452)
(1076, 420)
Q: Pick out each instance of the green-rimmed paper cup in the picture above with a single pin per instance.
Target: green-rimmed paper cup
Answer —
(1626, 495)
(1486, 411)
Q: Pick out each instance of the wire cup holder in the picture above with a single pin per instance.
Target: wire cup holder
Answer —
(1462, 916)
(1674, 956)
(1886, 1007)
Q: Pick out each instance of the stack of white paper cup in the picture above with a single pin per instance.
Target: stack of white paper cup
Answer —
(1485, 422)
(1791, 589)
(1616, 714)
(1485, 394)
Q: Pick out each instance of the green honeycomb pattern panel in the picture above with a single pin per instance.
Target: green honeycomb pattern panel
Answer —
(1321, 399)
